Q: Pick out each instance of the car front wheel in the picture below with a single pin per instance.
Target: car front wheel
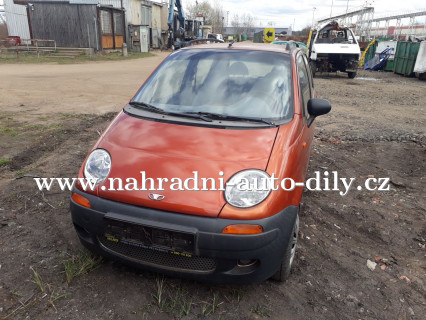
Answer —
(284, 270)
(351, 75)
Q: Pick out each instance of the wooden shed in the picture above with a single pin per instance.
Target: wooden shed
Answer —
(76, 23)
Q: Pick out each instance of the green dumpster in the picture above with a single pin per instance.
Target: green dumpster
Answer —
(405, 57)
(244, 37)
(390, 65)
(258, 37)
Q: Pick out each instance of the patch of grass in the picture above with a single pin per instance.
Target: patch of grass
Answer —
(20, 172)
(11, 131)
(65, 116)
(11, 58)
(260, 310)
(80, 264)
(171, 300)
(34, 126)
(55, 126)
(44, 118)
(5, 161)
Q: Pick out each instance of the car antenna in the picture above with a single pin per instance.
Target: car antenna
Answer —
(230, 45)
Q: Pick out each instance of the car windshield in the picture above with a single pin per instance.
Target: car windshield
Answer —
(229, 82)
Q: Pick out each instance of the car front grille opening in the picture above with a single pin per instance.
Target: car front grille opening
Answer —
(158, 258)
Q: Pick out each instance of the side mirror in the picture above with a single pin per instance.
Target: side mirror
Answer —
(317, 107)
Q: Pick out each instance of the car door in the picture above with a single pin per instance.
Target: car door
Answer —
(306, 93)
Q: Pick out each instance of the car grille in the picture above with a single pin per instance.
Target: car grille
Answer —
(157, 258)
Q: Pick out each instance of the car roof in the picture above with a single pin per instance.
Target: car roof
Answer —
(240, 46)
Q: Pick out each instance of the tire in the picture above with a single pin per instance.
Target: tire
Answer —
(351, 75)
(283, 271)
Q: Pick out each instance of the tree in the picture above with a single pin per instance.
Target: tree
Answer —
(247, 23)
(213, 14)
(303, 32)
(236, 24)
(243, 24)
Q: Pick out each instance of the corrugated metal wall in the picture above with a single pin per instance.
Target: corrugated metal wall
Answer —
(114, 3)
(65, 23)
(16, 19)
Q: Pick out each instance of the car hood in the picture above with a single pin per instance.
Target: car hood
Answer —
(166, 150)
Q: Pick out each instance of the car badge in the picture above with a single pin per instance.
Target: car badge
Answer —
(156, 196)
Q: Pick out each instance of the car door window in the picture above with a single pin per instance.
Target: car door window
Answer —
(311, 78)
(305, 90)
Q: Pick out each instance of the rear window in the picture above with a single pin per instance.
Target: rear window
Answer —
(229, 82)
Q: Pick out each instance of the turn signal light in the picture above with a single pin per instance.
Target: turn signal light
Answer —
(243, 229)
(78, 198)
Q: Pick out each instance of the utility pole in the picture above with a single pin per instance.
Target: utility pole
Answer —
(346, 15)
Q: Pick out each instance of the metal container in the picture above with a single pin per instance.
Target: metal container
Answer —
(389, 66)
(405, 57)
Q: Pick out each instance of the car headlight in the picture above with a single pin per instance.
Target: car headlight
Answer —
(98, 165)
(247, 188)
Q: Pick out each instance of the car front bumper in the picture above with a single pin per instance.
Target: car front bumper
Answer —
(216, 257)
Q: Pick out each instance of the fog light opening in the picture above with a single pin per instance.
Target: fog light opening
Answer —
(247, 262)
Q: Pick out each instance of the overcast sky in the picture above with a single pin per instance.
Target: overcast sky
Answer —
(299, 12)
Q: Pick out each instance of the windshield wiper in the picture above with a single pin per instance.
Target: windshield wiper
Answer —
(232, 118)
(152, 108)
(146, 106)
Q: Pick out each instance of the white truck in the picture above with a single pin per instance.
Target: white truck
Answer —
(333, 47)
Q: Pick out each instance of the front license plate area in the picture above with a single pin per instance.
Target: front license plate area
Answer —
(175, 242)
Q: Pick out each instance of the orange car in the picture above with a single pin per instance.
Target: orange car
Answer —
(194, 177)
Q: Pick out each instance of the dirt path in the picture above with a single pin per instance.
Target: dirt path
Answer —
(376, 128)
(99, 87)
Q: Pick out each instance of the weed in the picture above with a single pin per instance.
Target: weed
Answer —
(238, 294)
(260, 310)
(185, 308)
(158, 295)
(38, 280)
(5, 161)
(80, 264)
(209, 308)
